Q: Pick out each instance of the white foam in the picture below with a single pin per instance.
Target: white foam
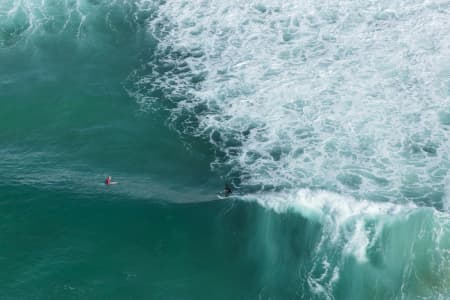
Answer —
(346, 220)
(320, 94)
(28, 19)
(24, 18)
(338, 95)
(446, 205)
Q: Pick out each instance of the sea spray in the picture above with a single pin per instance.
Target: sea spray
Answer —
(404, 249)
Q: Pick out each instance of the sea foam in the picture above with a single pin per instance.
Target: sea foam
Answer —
(337, 110)
(343, 96)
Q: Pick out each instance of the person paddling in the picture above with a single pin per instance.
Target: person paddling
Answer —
(108, 180)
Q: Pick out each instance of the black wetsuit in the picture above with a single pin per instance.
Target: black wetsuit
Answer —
(227, 191)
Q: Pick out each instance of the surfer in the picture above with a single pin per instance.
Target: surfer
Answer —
(227, 190)
(108, 180)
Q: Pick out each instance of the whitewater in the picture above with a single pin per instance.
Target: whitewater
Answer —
(338, 110)
(330, 120)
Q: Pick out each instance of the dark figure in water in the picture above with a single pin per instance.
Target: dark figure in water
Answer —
(227, 190)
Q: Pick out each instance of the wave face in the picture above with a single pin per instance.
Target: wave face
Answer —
(346, 97)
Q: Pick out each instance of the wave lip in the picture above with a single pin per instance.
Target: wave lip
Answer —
(343, 218)
(404, 248)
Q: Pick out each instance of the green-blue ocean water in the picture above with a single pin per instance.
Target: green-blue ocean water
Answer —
(330, 121)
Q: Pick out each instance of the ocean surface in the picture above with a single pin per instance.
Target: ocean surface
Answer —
(330, 120)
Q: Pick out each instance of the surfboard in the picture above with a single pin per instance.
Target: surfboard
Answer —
(111, 183)
(222, 195)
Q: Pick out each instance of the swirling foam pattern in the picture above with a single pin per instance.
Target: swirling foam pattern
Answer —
(348, 96)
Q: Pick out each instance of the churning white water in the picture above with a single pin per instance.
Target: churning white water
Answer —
(341, 109)
(350, 96)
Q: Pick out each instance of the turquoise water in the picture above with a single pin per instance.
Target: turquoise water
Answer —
(330, 120)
